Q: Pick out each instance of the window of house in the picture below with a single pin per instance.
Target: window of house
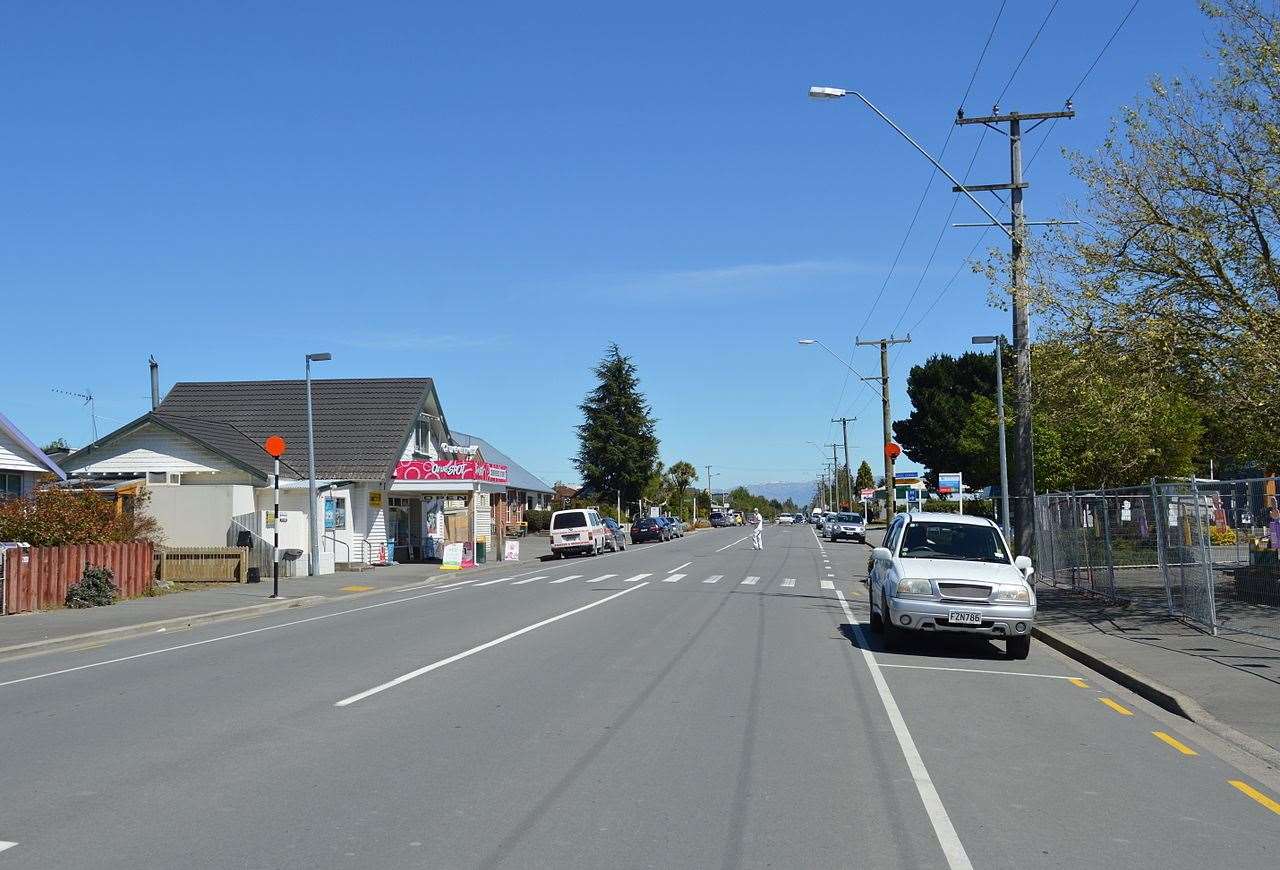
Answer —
(157, 477)
(422, 436)
(339, 513)
(10, 486)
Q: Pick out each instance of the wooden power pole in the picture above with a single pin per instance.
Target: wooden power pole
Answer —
(1024, 480)
(889, 491)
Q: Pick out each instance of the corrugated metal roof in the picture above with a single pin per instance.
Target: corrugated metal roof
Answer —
(361, 424)
(518, 477)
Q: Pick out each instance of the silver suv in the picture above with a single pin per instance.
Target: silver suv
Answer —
(845, 526)
(944, 573)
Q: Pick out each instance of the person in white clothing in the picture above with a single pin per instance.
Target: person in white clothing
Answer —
(757, 541)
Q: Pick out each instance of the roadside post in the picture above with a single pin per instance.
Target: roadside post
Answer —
(275, 447)
(949, 483)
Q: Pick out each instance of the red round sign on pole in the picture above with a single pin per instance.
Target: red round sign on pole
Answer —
(893, 451)
(274, 446)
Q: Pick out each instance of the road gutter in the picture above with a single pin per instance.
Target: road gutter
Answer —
(1159, 694)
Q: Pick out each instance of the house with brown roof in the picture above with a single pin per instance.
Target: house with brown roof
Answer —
(392, 484)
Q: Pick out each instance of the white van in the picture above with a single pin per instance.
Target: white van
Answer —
(579, 530)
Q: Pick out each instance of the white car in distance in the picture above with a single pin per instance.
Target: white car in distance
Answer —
(783, 520)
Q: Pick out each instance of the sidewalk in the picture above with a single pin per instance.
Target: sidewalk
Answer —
(236, 600)
(1228, 684)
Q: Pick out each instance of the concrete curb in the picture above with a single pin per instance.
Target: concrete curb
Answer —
(1157, 693)
(91, 638)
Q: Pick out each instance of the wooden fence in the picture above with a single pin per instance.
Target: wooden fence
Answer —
(202, 564)
(36, 578)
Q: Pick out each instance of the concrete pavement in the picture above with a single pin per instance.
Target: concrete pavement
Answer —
(605, 712)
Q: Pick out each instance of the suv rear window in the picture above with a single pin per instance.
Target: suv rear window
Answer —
(569, 520)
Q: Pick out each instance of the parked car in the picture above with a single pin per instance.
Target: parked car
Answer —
(649, 529)
(798, 519)
(677, 526)
(738, 518)
(945, 573)
(783, 519)
(719, 520)
(820, 522)
(617, 539)
(576, 531)
(844, 525)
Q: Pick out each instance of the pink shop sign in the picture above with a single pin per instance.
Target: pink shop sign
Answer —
(450, 470)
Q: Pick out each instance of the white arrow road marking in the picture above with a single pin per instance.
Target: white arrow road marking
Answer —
(567, 579)
(751, 581)
(635, 578)
(604, 577)
(404, 678)
(714, 578)
(674, 578)
(952, 848)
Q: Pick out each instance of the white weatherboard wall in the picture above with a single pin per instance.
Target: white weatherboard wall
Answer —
(14, 457)
(148, 448)
(198, 516)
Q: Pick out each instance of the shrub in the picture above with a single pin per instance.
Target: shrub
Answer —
(94, 589)
(52, 516)
(973, 507)
(1222, 537)
(539, 521)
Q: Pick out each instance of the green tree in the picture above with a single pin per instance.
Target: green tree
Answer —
(56, 444)
(865, 479)
(1172, 270)
(681, 474)
(618, 447)
(942, 391)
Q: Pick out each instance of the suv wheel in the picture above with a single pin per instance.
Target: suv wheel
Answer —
(893, 636)
(1018, 647)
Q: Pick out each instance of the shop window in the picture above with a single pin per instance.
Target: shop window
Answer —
(339, 513)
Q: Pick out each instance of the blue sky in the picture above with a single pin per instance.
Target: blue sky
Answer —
(489, 195)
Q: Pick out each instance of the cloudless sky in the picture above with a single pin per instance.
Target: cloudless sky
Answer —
(489, 194)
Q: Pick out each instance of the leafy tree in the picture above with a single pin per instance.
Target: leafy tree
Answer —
(942, 391)
(618, 448)
(1172, 270)
(681, 474)
(56, 444)
(865, 479)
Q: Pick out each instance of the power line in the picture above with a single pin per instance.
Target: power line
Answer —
(1030, 46)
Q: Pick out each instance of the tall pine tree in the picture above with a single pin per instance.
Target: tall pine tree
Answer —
(865, 479)
(618, 450)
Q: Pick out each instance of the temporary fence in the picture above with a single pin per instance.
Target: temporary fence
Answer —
(1202, 550)
(209, 564)
(37, 577)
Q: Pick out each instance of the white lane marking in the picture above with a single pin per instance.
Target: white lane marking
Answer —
(750, 581)
(439, 591)
(952, 848)
(571, 577)
(980, 671)
(604, 577)
(529, 580)
(5, 844)
(678, 567)
(714, 578)
(673, 578)
(827, 584)
(491, 582)
(635, 578)
(789, 581)
(404, 678)
(734, 544)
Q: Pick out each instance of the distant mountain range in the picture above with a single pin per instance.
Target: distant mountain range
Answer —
(799, 492)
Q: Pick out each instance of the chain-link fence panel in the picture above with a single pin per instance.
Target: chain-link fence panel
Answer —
(1242, 541)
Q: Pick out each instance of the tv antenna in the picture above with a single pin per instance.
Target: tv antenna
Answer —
(87, 396)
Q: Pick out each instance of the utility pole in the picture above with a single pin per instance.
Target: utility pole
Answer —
(709, 502)
(1024, 484)
(835, 478)
(844, 428)
(889, 491)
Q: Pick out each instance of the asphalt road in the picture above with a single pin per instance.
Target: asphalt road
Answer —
(692, 704)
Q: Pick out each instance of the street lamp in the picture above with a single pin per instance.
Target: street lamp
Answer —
(998, 341)
(314, 556)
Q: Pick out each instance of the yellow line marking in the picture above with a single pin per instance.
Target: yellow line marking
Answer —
(355, 588)
(1256, 795)
(1119, 708)
(1176, 744)
(1076, 681)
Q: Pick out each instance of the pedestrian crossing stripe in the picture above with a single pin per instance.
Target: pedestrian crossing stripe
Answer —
(567, 579)
(714, 578)
(635, 578)
(750, 581)
(601, 577)
(673, 578)
(789, 581)
(529, 580)
(827, 584)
